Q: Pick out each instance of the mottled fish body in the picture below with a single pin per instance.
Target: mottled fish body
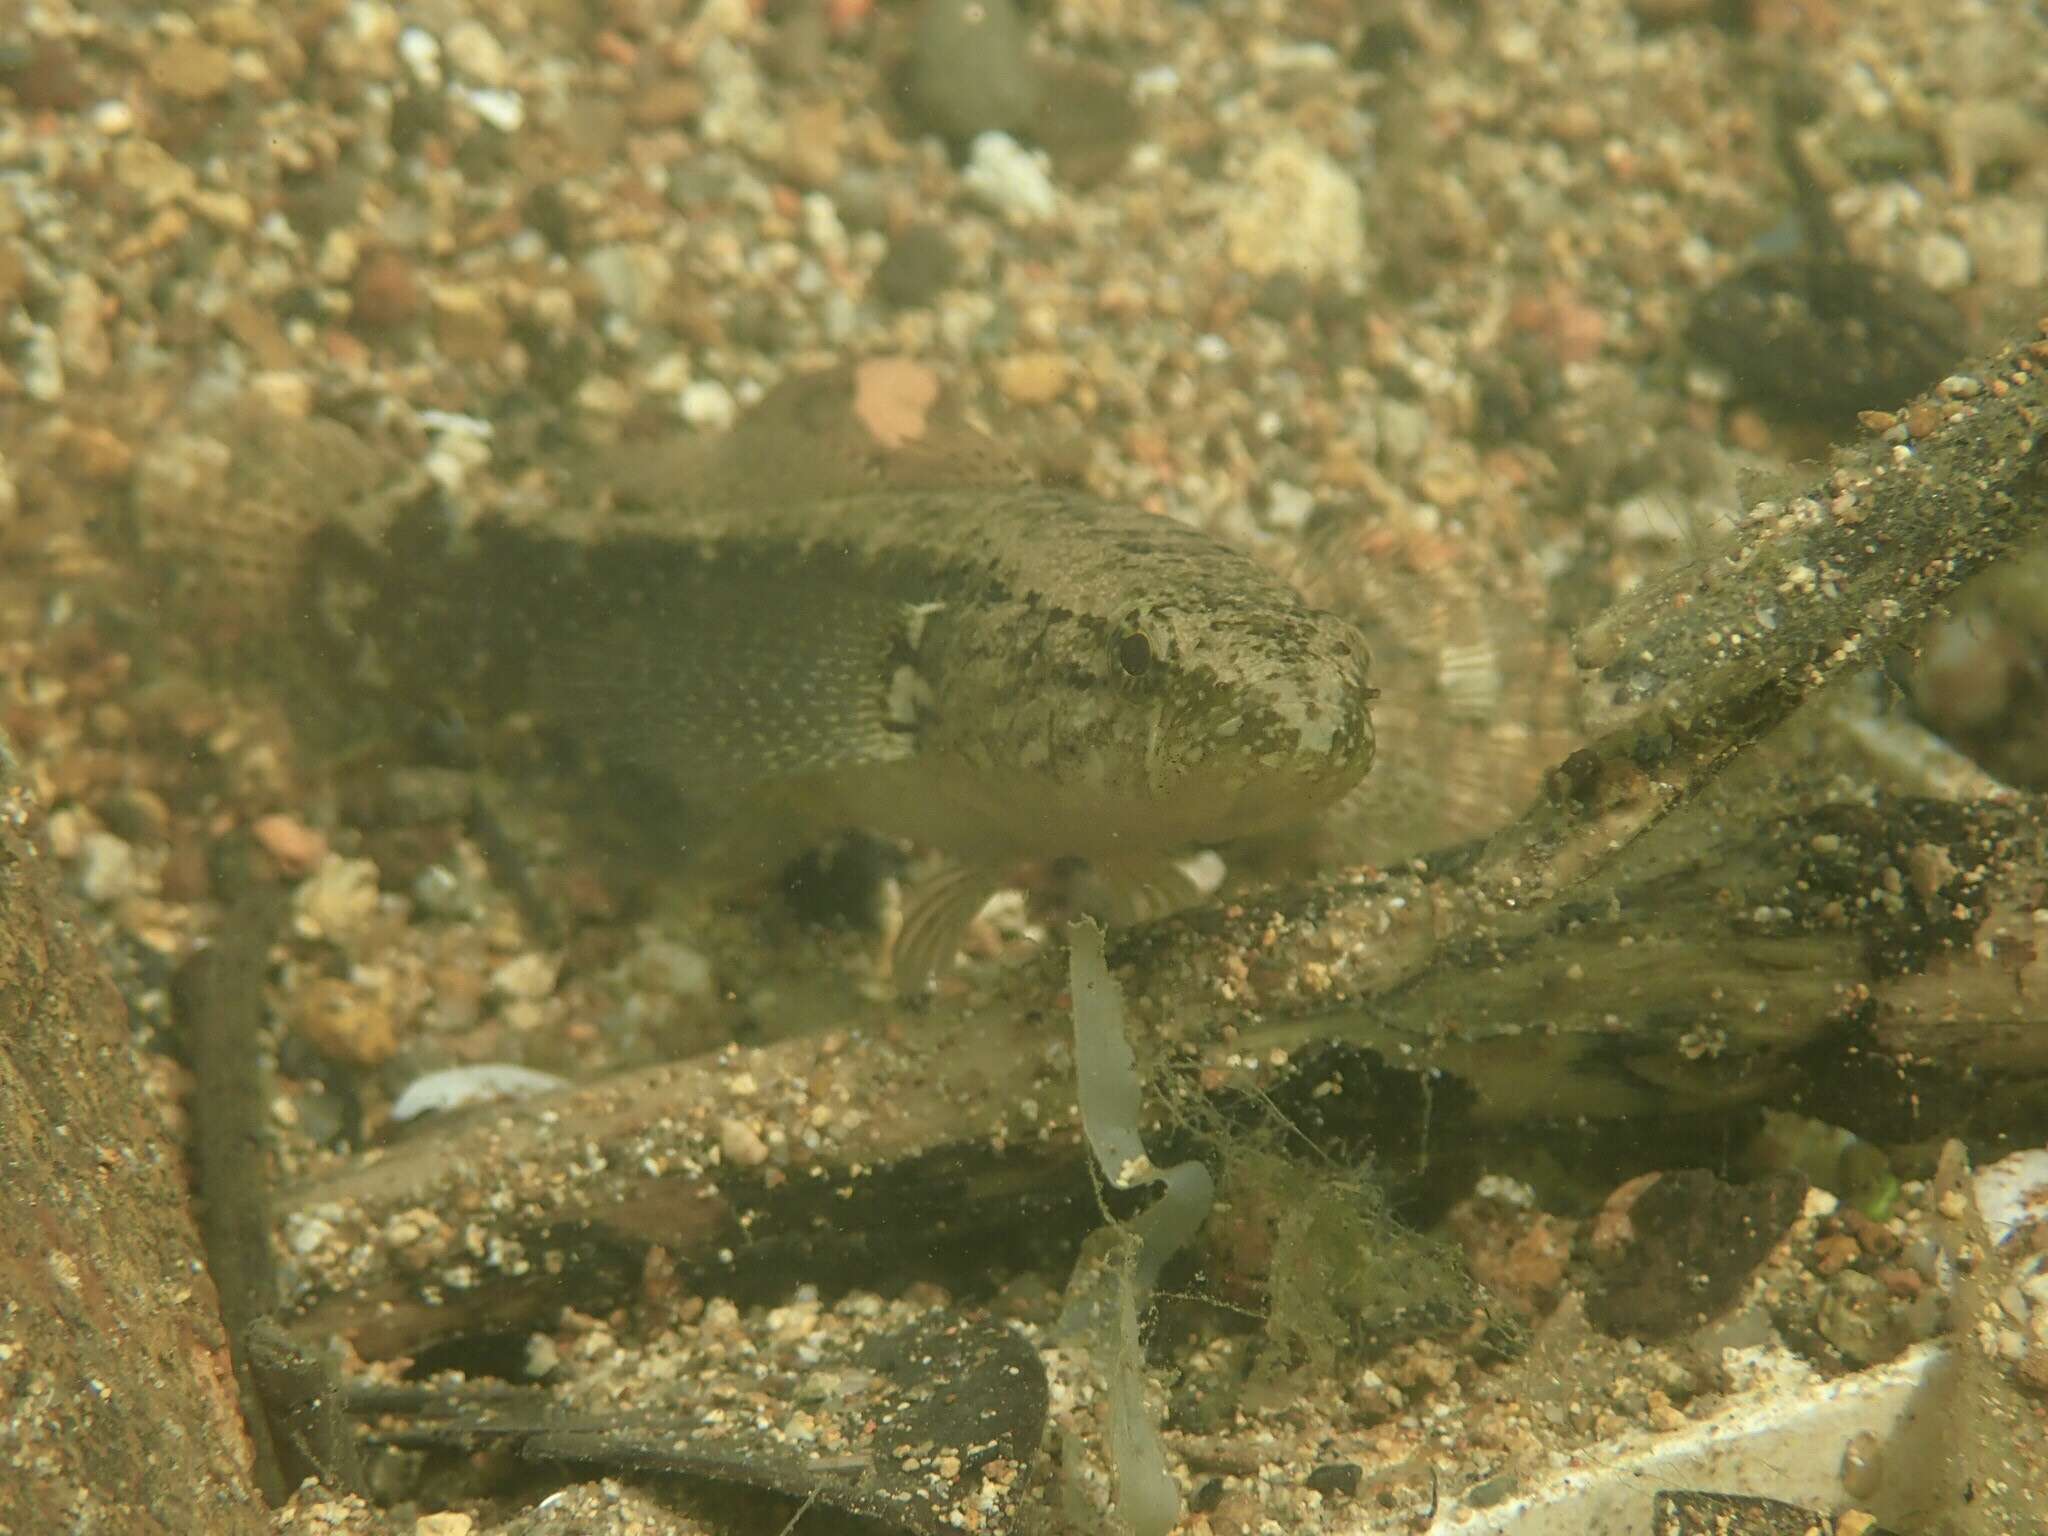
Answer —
(1004, 673)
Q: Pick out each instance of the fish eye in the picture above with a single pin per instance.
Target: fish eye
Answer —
(1134, 653)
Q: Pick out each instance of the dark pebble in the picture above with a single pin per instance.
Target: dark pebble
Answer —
(1283, 296)
(45, 75)
(969, 71)
(1335, 1479)
(919, 266)
(1697, 1239)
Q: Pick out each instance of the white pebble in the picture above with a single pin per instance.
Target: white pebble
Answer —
(503, 110)
(283, 392)
(1403, 431)
(1005, 176)
(673, 968)
(82, 339)
(526, 976)
(2013, 1192)
(1205, 870)
(113, 117)
(305, 1234)
(630, 277)
(1505, 1189)
(1158, 82)
(461, 444)
(1296, 209)
(338, 899)
(604, 399)
(472, 49)
(708, 403)
(1288, 506)
(107, 869)
(741, 1143)
(421, 54)
(42, 370)
(1943, 262)
(821, 224)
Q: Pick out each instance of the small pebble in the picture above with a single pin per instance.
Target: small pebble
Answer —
(666, 103)
(385, 293)
(1032, 378)
(42, 366)
(145, 169)
(107, 868)
(283, 393)
(344, 1022)
(421, 52)
(1335, 1479)
(708, 403)
(190, 69)
(82, 342)
(472, 49)
(676, 969)
(230, 212)
(337, 900)
(1296, 208)
(970, 70)
(469, 325)
(305, 1233)
(1009, 179)
(1403, 431)
(503, 110)
(1288, 507)
(542, 1357)
(296, 848)
(113, 117)
(527, 976)
(1942, 262)
(631, 278)
(741, 1143)
(919, 266)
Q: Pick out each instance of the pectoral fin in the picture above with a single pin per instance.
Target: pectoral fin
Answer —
(936, 913)
(1135, 892)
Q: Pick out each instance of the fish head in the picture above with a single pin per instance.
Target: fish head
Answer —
(1113, 684)
(1157, 725)
(1259, 711)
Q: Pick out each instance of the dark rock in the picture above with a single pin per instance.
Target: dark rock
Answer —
(1335, 1479)
(1696, 1241)
(919, 266)
(969, 71)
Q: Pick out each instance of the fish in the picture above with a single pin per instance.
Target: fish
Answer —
(1006, 672)
(1007, 676)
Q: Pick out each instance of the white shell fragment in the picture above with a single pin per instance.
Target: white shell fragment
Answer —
(462, 1087)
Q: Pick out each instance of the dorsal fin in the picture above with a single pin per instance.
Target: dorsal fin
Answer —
(886, 423)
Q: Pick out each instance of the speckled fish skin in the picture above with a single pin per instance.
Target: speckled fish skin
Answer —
(1003, 673)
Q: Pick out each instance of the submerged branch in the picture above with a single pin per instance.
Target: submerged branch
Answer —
(1569, 966)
